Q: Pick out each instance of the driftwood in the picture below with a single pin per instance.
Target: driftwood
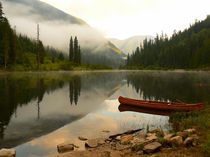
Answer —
(125, 133)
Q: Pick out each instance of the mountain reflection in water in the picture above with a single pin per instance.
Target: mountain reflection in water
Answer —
(64, 105)
(36, 104)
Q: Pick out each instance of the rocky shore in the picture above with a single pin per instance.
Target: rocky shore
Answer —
(132, 143)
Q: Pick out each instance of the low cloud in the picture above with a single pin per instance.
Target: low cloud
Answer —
(53, 31)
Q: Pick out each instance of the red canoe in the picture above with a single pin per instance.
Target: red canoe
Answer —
(158, 105)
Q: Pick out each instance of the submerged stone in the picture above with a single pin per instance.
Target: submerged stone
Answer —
(65, 147)
(82, 138)
(7, 152)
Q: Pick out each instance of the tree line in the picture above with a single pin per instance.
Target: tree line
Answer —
(184, 49)
(7, 41)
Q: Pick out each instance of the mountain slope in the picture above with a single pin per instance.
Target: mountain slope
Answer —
(130, 44)
(183, 50)
(46, 12)
(56, 27)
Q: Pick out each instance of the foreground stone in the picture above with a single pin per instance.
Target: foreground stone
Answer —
(183, 134)
(191, 131)
(151, 137)
(65, 147)
(191, 141)
(168, 137)
(132, 144)
(93, 143)
(151, 147)
(7, 153)
(177, 140)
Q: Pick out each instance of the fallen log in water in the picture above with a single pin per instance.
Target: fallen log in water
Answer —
(125, 133)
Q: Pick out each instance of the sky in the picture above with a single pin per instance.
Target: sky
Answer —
(125, 18)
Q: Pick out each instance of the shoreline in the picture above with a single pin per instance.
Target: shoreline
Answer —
(103, 70)
(133, 143)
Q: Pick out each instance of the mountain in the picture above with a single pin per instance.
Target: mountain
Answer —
(128, 45)
(56, 27)
(46, 12)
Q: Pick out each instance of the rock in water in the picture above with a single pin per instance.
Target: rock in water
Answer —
(7, 153)
(65, 147)
(149, 148)
(126, 138)
(82, 138)
(105, 131)
(92, 143)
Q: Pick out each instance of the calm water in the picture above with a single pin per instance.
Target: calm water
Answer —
(38, 111)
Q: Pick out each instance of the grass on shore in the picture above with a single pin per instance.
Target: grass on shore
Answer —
(63, 65)
(199, 120)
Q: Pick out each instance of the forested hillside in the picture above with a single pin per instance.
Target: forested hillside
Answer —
(19, 50)
(56, 27)
(185, 49)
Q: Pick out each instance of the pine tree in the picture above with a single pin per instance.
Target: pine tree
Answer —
(13, 47)
(71, 49)
(128, 60)
(79, 55)
(5, 43)
(41, 52)
(75, 59)
(1, 12)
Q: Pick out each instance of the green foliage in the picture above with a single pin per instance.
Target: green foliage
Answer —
(187, 49)
(1, 12)
(18, 52)
(71, 49)
(206, 145)
(198, 119)
(138, 147)
(163, 141)
(7, 43)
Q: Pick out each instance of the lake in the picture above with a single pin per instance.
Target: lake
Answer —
(38, 111)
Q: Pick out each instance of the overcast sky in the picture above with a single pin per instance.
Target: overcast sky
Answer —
(124, 18)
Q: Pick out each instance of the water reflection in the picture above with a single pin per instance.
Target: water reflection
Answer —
(123, 108)
(63, 106)
(18, 92)
(171, 86)
(74, 89)
(36, 104)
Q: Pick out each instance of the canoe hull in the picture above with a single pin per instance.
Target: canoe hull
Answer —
(157, 105)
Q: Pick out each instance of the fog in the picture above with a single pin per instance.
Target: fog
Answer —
(54, 31)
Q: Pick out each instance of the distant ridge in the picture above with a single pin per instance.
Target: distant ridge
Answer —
(128, 45)
(48, 12)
